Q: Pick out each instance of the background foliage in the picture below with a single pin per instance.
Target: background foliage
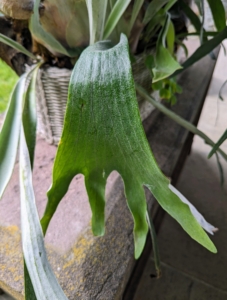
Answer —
(8, 79)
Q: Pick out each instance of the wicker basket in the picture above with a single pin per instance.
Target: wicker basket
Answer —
(52, 93)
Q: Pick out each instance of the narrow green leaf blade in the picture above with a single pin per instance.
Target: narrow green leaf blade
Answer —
(203, 50)
(100, 15)
(169, 4)
(199, 6)
(206, 33)
(43, 280)
(97, 14)
(154, 25)
(162, 35)
(181, 121)
(220, 91)
(115, 15)
(6, 40)
(135, 11)
(220, 168)
(152, 9)
(92, 24)
(154, 246)
(9, 135)
(193, 18)
(179, 42)
(191, 15)
(29, 116)
(29, 120)
(218, 144)
(218, 12)
(45, 37)
(28, 287)
(158, 19)
(103, 132)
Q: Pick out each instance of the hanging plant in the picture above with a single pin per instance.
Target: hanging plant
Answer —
(102, 128)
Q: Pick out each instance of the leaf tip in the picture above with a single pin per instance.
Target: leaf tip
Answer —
(98, 229)
(212, 248)
(140, 240)
(210, 154)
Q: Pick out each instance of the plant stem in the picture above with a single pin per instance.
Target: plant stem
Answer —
(141, 91)
(154, 245)
(202, 23)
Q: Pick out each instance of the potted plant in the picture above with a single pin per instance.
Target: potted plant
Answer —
(102, 126)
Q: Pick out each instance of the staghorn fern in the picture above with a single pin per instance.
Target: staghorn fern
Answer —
(103, 119)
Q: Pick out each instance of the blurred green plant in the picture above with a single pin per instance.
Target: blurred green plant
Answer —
(167, 89)
(8, 79)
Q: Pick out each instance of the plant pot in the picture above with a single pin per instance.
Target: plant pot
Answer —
(52, 93)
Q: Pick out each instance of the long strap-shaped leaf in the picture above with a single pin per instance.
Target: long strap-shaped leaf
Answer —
(97, 14)
(6, 40)
(43, 36)
(218, 144)
(43, 279)
(115, 15)
(218, 12)
(34, 289)
(29, 116)
(203, 50)
(187, 125)
(29, 119)
(192, 16)
(135, 11)
(29, 293)
(9, 135)
(102, 133)
(152, 9)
